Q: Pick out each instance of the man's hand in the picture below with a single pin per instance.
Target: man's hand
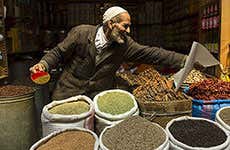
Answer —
(37, 68)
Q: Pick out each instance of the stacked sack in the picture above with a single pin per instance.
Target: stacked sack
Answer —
(112, 106)
(77, 111)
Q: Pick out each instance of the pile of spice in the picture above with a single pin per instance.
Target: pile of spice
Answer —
(210, 89)
(128, 77)
(195, 76)
(115, 103)
(147, 75)
(70, 140)
(225, 115)
(134, 133)
(197, 133)
(157, 90)
(71, 108)
(153, 87)
(141, 78)
(15, 90)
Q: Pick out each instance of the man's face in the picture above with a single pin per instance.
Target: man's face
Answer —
(119, 30)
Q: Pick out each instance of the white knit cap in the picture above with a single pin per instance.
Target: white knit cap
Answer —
(112, 12)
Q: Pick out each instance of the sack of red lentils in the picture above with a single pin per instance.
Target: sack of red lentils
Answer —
(112, 106)
(196, 134)
(223, 118)
(77, 111)
(68, 139)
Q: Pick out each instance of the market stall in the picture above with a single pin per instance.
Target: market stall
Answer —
(114, 105)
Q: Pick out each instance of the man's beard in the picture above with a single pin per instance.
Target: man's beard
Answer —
(117, 36)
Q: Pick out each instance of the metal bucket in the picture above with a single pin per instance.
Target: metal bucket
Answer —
(17, 124)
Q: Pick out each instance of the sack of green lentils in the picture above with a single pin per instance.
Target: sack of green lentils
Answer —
(77, 111)
(132, 133)
(223, 118)
(196, 134)
(68, 139)
(112, 106)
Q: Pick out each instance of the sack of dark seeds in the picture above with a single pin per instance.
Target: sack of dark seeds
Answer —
(197, 134)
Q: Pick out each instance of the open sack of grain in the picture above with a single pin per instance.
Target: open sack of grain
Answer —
(223, 118)
(77, 111)
(113, 106)
(132, 133)
(197, 134)
(69, 139)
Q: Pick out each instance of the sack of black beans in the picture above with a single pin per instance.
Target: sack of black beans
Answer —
(68, 139)
(223, 118)
(112, 106)
(196, 134)
(77, 111)
(132, 133)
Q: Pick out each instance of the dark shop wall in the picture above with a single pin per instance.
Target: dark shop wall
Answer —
(180, 23)
(146, 16)
(185, 21)
(171, 24)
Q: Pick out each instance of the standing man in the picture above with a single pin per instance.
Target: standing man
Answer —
(92, 54)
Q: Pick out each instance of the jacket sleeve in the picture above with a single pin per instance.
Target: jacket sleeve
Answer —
(62, 51)
(152, 55)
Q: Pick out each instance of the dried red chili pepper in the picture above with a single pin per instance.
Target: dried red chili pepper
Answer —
(210, 89)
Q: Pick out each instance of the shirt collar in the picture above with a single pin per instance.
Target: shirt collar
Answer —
(101, 41)
(102, 34)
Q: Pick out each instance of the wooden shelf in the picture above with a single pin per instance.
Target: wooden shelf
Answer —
(95, 1)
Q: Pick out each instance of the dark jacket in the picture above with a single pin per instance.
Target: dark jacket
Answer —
(82, 75)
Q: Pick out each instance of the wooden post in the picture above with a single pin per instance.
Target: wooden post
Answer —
(225, 35)
(3, 52)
